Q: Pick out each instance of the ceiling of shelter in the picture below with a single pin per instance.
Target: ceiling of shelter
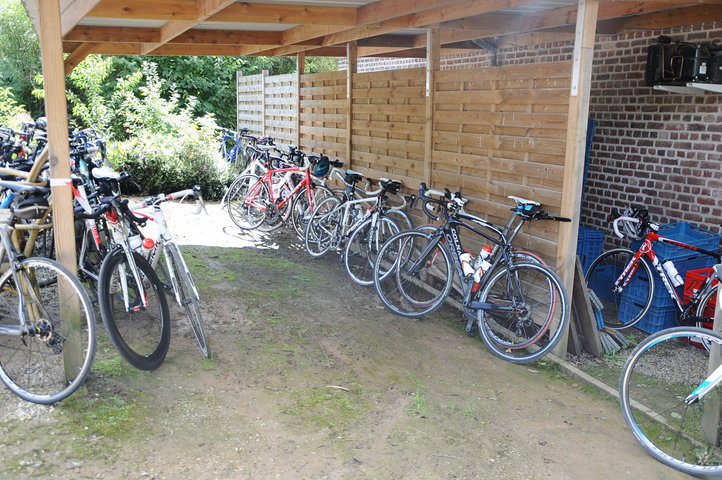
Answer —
(324, 27)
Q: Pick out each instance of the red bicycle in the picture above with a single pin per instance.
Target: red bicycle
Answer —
(622, 279)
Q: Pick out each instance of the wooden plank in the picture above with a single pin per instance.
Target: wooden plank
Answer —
(583, 313)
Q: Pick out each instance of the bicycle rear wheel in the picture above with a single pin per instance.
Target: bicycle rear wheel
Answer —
(413, 274)
(659, 374)
(35, 363)
(525, 313)
(187, 295)
(301, 210)
(141, 334)
(621, 309)
(324, 227)
(363, 246)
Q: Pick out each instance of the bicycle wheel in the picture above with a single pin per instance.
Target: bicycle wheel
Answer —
(324, 227)
(413, 274)
(60, 330)
(141, 334)
(525, 312)
(187, 295)
(621, 309)
(362, 248)
(659, 375)
(401, 218)
(247, 206)
(301, 210)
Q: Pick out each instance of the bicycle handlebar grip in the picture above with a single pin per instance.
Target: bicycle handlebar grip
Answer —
(95, 214)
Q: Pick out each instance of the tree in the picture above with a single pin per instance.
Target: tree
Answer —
(19, 54)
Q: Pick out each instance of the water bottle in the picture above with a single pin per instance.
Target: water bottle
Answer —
(466, 264)
(481, 265)
(147, 246)
(673, 274)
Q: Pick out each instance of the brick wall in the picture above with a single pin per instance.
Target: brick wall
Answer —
(651, 148)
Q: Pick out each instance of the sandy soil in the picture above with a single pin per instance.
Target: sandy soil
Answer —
(313, 379)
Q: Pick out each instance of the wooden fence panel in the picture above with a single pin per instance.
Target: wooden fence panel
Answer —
(249, 103)
(281, 97)
(323, 117)
(500, 132)
(388, 124)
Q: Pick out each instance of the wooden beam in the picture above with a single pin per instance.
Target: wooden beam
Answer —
(286, 14)
(576, 147)
(157, 10)
(352, 66)
(666, 19)
(73, 12)
(205, 9)
(78, 55)
(300, 71)
(433, 65)
(113, 35)
(228, 37)
(60, 184)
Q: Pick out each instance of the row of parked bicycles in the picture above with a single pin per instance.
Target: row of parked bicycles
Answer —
(510, 297)
(516, 302)
(47, 314)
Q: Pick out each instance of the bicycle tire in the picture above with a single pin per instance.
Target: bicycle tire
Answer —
(626, 308)
(413, 294)
(657, 377)
(323, 227)
(188, 297)
(32, 365)
(539, 318)
(247, 206)
(301, 211)
(141, 335)
(363, 246)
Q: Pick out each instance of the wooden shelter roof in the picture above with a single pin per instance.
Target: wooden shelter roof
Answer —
(324, 27)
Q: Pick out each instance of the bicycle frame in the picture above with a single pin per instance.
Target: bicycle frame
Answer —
(267, 178)
(647, 250)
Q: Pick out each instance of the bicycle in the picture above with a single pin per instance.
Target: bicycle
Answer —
(131, 297)
(47, 325)
(236, 152)
(277, 195)
(519, 306)
(622, 279)
(174, 271)
(670, 397)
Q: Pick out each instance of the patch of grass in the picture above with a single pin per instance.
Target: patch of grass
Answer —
(209, 364)
(115, 366)
(107, 416)
(418, 407)
(327, 407)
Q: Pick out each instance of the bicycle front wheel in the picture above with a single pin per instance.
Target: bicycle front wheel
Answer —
(139, 331)
(248, 201)
(413, 274)
(524, 314)
(363, 246)
(324, 227)
(659, 375)
(621, 308)
(302, 210)
(47, 360)
(187, 295)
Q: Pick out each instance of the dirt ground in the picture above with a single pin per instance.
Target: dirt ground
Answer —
(312, 379)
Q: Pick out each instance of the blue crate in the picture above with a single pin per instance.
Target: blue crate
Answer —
(658, 318)
(590, 243)
(602, 282)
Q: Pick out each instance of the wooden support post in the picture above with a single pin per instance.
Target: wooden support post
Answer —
(433, 64)
(712, 413)
(59, 155)
(239, 74)
(264, 74)
(576, 146)
(352, 62)
(300, 70)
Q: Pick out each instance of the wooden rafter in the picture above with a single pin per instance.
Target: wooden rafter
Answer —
(74, 11)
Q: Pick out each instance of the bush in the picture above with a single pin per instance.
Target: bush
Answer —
(160, 162)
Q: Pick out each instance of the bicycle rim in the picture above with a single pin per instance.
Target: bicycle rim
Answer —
(659, 374)
(525, 314)
(363, 247)
(141, 334)
(412, 275)
(323, 227)
(245, 205)
(51, 361)
(189, 298)
(620, 309)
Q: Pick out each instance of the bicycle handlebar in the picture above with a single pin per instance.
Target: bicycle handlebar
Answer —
(179, 195)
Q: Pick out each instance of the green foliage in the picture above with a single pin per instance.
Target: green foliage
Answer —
(19, 54)
(89, 107)
(10, 111)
